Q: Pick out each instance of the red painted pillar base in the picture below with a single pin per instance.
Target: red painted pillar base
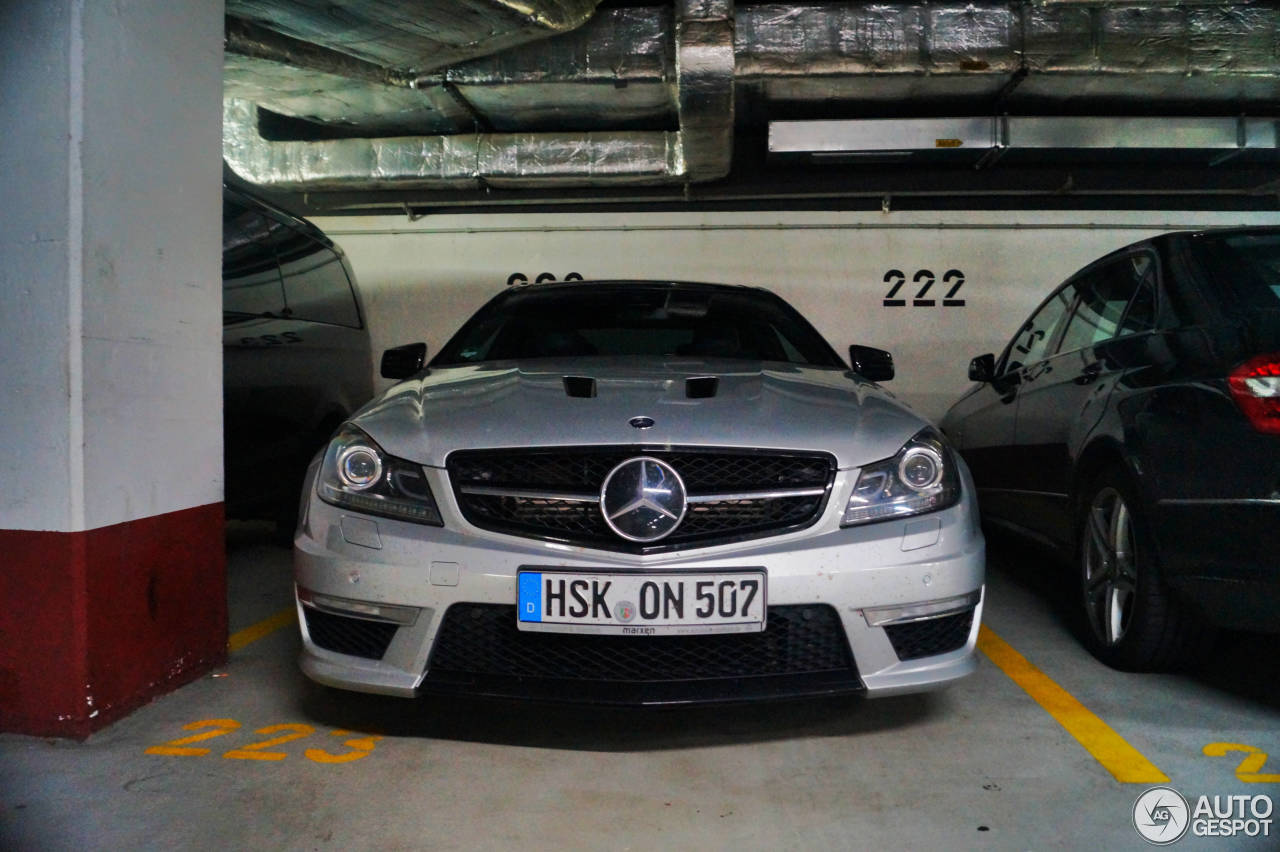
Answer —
(95, 624)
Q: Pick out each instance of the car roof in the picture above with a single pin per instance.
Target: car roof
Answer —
(638, 283)
(1177, 236)
(1261, 230)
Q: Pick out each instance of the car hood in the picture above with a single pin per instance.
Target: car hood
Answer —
(530, 404)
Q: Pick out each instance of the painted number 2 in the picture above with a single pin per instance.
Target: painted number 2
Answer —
(1250, 769)
(258, 751)
(924, 279)
(183, 745)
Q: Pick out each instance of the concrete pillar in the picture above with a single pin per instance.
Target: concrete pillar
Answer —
(112, 574)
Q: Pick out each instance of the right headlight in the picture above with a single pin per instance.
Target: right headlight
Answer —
(921, 477)
(357, 474)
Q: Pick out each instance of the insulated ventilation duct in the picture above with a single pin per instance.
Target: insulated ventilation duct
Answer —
(373, 94)
(413, 35)
(699, 149)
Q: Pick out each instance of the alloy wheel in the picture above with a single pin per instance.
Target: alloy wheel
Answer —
(1110, 566)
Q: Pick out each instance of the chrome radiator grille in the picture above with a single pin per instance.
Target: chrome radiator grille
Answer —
(554, 493)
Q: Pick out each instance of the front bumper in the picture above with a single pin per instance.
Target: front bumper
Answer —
(403, 578)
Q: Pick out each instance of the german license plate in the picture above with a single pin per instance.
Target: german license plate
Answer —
(641, 604)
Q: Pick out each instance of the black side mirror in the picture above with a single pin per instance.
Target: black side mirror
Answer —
(873, 364)
(983, 368)
(401, 362)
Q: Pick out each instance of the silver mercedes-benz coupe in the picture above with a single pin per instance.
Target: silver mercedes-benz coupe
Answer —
(643, 493)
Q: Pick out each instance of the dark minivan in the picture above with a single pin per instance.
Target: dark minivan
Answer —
(296, 359)
(1133, 423)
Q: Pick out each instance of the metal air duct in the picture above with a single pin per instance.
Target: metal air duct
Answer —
(415, 36)
(650, 95)
(701, 149)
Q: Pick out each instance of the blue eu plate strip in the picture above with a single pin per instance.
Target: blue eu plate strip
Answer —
(530, 597)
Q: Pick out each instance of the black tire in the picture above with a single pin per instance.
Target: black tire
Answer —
(286, 523)
(1131, 621)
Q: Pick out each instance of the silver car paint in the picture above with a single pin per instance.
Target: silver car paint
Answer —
(852, 568)
(779, 406)
(917, 559)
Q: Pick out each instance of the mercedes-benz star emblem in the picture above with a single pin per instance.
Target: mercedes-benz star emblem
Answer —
(643, 499)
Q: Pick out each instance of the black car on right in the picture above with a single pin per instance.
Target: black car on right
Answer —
(1133, 424)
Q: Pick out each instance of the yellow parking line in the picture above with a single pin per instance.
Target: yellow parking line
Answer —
(1119, 758)
(241, 638)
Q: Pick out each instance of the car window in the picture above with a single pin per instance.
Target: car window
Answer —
(247, 247)
(1105, 294)
(317, 289)
(273, 268)
(1032, 342)
(1141, 314)
(631, 320)
(1243, 268)
(251, 295)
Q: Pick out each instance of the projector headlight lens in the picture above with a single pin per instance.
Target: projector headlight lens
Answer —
(357, 474)
(920, 478)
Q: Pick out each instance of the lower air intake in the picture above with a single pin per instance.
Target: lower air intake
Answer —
(931, 636)
(483, 639)
(343, 634)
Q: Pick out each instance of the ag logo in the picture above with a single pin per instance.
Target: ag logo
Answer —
(1161, 816)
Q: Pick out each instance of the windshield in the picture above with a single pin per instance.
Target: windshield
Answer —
(638, 320)
(1246, 265)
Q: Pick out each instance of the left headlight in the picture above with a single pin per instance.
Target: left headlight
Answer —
(921, 477)
(357, 474)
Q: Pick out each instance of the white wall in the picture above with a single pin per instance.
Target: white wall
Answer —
(35, 473)
(152, 261)
(421, 279)
(110, 294)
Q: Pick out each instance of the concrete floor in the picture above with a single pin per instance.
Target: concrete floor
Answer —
(980, 766)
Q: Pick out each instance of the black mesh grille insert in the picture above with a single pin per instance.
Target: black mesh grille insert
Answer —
(930, 636)
(583, 472)
(358, 637)
(482, 639)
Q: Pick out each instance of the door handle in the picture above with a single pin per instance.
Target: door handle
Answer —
(1030, 374)
(1090, 373)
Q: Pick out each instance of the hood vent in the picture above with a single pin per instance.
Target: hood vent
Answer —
(580, 387)
(701, 387)
(695, 387)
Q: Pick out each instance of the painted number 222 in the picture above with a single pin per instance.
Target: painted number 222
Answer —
(923, 281)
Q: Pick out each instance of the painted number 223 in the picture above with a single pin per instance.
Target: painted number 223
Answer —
(356, 745)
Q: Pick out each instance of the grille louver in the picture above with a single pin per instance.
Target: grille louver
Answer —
(553, 494)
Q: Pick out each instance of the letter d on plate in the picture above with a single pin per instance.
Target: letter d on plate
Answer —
(530, 596)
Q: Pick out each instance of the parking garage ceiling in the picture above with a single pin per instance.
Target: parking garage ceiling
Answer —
(426, 105)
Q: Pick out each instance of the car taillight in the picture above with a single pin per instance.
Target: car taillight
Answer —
(1255, 386)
